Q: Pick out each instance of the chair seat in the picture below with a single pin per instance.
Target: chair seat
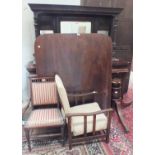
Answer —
(78, 121)
(44, 118)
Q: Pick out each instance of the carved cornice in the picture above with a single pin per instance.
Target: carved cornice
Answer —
(70, 9)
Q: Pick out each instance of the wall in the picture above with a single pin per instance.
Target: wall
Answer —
(28, 37)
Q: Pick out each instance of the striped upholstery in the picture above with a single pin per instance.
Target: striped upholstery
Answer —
(44, 93)
(44, 118)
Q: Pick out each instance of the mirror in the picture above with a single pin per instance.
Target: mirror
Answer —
(105, 32)
(46, 32)
(75, 27)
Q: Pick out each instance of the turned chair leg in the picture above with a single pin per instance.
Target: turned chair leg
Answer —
(63, 134)
(70, 144)
(70, 140)
(107, 136)
(69, 133)
(27, 134)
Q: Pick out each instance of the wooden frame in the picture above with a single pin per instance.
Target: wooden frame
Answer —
(28, 129)
(104, 135)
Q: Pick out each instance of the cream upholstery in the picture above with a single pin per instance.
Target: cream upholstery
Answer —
(44, 117)
(78, 121)
(62, 93)
(77, 125)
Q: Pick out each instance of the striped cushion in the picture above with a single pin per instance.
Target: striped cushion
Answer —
(44, 93)
(44, 118)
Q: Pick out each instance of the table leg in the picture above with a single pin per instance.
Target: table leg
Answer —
(124, 105)
(118, 110)
(127, 98)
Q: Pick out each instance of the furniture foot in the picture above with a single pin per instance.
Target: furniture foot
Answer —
(63, 135)
(70, 141)
(124, 105)
(107, 136)
(118, 110)
(27, 134)
(70, 145)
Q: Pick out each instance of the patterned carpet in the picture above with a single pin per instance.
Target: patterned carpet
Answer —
(120, 142)
(54, 147)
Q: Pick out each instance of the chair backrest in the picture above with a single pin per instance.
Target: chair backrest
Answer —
(43, 91)
(62, 94)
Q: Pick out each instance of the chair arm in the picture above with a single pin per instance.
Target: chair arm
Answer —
(82, 94)
(25, 106)
(90, 113)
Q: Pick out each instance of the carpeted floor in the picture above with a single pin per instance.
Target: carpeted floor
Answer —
(120, 142)
(54, 147)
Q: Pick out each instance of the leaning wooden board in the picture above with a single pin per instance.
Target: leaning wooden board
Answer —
(83, 61)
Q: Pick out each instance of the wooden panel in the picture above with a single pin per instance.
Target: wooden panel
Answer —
(97, 3)
(124, 34)
(118, 3)
(128, 9)
(83, 62)
(123, 54)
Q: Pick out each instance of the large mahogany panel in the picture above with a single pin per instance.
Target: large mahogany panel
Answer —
(83, 61)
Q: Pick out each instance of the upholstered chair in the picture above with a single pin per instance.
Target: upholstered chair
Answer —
(45, 111)
(83, 119)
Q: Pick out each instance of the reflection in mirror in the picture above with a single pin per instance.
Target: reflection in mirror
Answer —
(75, 27)
(105, 32)
(46, 32)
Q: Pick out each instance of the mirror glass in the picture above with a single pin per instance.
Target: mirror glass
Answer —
(46, 32)
(75, 27)
(105, 32)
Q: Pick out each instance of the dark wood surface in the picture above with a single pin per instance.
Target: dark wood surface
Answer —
(73, 9)
(124, 33)
(124, 25)
(121, 69)
(83, 62)
(114, 16)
